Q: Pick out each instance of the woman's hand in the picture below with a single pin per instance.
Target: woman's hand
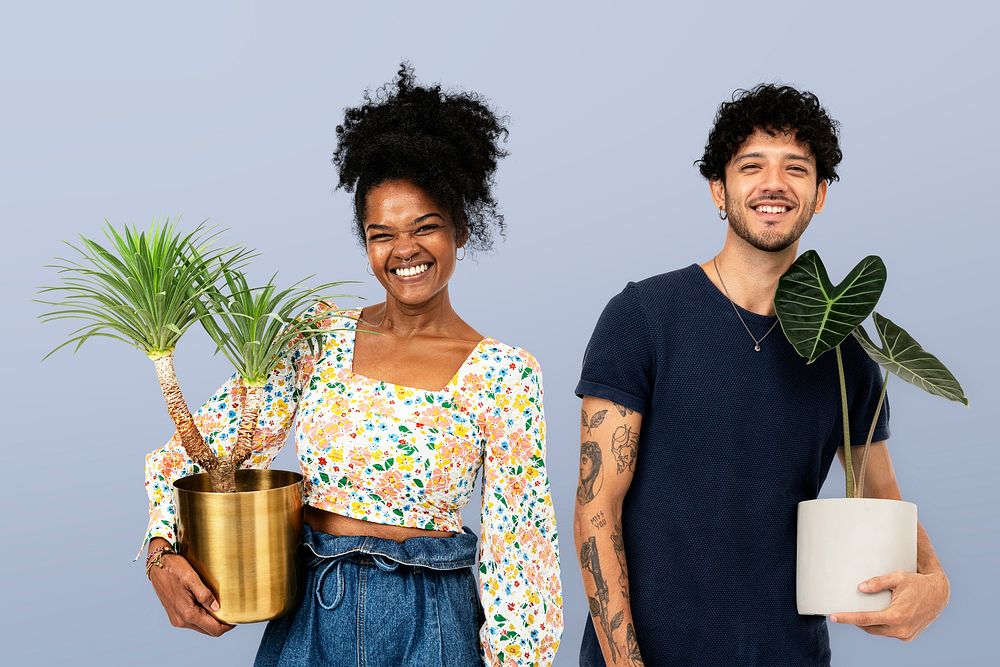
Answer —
(184, 596)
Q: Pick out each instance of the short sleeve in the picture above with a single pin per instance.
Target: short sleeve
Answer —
(620, 358)
(863, 400)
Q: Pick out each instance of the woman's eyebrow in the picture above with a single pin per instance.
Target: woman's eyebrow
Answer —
(425, 216)
(415, 221)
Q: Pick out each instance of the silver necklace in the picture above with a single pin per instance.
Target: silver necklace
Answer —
(756, 341)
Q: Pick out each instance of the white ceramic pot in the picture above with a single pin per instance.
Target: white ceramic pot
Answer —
(843, 541)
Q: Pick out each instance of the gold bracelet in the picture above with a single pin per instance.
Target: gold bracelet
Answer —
(156, 558)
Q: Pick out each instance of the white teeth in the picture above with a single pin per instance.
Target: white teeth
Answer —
(772, 209)
(412, 271)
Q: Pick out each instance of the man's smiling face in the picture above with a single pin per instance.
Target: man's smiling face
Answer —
(771, 190)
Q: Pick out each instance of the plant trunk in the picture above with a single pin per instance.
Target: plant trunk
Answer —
(248, 426)
(191, 438)
(845, 418)
(223, 477)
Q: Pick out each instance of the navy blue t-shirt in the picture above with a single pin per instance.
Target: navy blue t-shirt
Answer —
(731, 441)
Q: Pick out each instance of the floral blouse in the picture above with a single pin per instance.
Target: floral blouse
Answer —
(390, 454)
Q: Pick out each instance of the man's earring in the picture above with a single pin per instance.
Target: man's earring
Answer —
(368, 269)
(722, 213)
(463, 254)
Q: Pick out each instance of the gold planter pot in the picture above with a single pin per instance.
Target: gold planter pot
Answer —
(243, 544)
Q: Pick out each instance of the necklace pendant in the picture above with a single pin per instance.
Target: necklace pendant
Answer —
(756, 348)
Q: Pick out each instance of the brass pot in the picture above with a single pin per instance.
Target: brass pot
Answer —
(243, 544)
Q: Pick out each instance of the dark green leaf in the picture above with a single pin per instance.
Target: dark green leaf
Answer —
(901, 355)
(816, 315)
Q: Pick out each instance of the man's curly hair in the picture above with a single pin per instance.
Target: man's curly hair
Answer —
(446, 143)
(775, 110)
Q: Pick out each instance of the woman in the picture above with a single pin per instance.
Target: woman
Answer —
(395, 417)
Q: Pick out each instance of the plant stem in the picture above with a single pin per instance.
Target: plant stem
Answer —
(871, 434)
(248, 425)
(848, 463)
(191, 438)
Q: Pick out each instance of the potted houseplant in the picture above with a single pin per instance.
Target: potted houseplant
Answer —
(239, 528)
(843, 541)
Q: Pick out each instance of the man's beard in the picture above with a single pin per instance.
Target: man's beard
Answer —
(768, 241)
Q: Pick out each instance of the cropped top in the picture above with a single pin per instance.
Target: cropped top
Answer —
(390, 454)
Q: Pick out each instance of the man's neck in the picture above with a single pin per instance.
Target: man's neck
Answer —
(749, 276)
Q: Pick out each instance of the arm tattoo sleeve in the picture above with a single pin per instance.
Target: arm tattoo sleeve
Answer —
(625, 447)
(590, 561)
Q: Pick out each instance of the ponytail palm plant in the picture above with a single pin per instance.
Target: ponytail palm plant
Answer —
(142, 288)
(817, 316)
(254, 327)
(147, 288)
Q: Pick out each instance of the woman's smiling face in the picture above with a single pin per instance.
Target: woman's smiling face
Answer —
(411, 241)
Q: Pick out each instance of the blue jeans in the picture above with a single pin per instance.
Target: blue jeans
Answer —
(371, 602)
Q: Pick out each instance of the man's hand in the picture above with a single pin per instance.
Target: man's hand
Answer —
(917, 599)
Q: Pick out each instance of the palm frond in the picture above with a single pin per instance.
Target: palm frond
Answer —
(139, 286)
(254, 326)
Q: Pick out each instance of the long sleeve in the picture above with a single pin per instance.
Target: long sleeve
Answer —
(519, 554)
(218, 420)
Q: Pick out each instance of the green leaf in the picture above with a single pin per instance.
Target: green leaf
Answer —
(816, 315)
(138, 287)
(901, 355)
(255, 326)
(323, 476)
(418, 483)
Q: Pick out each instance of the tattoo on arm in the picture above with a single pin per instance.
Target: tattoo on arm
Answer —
(616, 539)
(598, 521)
(623, 411)
(632, 654)
(625, 447)
(591, 472)
(590, 561)
(594, 421)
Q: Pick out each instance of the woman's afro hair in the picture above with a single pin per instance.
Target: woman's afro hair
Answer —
(775, 110)
(446, 143)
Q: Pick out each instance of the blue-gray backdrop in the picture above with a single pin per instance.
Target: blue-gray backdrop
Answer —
(227, 110)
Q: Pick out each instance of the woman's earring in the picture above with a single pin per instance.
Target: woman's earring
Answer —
(463, 254)
(722, 213)
(368, 269)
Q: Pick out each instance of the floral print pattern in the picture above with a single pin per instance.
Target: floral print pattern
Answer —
(390, 454)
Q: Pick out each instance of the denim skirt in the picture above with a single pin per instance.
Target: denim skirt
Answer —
(372, 602)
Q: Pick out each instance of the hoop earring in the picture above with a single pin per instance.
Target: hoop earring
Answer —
(463, 254)
(722, 214)
(368, 269)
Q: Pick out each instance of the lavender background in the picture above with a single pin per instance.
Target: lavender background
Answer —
(226, 110)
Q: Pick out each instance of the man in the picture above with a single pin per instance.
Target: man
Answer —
(703, 429)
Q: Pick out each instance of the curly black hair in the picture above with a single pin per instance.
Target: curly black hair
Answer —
(775, 110)
(446, 143)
